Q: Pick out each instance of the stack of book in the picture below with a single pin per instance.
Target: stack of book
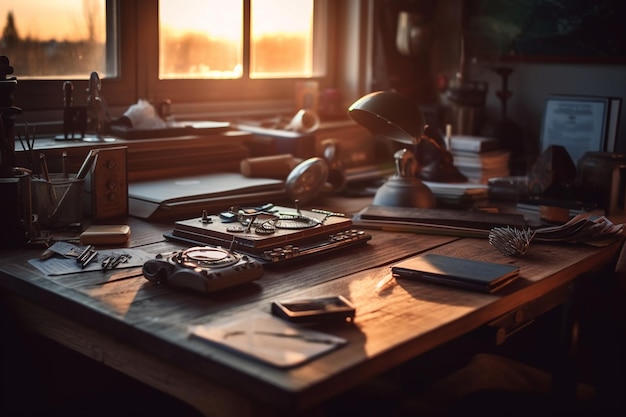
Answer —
(479, 158)
(464, 195)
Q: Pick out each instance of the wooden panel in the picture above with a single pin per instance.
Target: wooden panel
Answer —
(397, 322)
(154, 158)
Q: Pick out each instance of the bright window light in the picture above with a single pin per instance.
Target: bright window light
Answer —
(282, 38)
(200, 39)
(50, 39)
(205, 39)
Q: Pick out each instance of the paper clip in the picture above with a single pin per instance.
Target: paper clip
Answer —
(84, 254)
(112, 262)
(92, 255)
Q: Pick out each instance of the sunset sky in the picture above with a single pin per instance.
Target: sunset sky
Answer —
(65, 19)
(46, 19)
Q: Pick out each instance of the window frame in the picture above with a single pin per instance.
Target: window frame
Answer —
(41, 100)
(138, 45)
(240, 90)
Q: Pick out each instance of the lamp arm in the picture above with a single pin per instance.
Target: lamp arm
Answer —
(431, 141)
(445, 156)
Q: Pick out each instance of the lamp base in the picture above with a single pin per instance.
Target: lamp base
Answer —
(404, 192)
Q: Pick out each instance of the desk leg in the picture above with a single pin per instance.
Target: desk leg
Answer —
(209, 398)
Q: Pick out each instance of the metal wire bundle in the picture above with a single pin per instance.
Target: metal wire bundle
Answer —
(511, 241)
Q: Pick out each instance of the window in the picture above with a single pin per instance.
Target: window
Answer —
(52, 42)
(205, 39)
(217, 51)
(200, 39)
(48, 39)
(232, 53)
(281, 39)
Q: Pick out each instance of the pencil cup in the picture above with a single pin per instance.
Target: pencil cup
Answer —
(58, 202)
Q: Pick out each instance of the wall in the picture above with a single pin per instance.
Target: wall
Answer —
(531, 83)
(551, 40)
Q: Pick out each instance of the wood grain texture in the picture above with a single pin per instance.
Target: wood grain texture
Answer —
(118, 316)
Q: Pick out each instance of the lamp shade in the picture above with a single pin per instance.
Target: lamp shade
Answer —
(390, 115)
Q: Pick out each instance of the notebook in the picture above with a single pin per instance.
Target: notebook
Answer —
(189, 196)
(457, 272)
(472, 223)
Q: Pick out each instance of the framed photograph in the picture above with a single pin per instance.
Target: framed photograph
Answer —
(578, 123)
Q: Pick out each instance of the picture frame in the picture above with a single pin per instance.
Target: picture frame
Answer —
(578, 123)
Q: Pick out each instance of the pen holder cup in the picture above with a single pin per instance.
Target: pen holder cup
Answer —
(58, 202)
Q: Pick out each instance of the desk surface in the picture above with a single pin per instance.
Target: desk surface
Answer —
(124, 321)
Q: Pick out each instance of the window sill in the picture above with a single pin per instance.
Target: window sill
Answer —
(149, 158)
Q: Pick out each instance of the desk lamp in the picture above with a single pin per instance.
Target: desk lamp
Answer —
(395, 117)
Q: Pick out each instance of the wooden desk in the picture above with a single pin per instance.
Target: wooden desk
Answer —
(120, 319)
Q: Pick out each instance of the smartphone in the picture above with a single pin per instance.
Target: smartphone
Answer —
(334, 308)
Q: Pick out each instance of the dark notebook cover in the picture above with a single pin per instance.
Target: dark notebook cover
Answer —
(458, 272)
(436, 220)
(447, 217)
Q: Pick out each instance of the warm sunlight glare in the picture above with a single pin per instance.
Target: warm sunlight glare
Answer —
(281, 17)
(200, 39)
(52, 39)
(204, 38)
(213, 18)
(60, 20)
(197, 38)
(282, 38)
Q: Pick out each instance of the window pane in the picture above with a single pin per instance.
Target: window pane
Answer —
(53, 39)
(200, 39)
(282, 38)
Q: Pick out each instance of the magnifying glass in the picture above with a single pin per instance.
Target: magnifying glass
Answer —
(307, 179)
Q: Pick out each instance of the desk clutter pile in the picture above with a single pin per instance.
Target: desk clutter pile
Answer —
(235, 331)
(479, 158)
(507, 232)
(66, 258)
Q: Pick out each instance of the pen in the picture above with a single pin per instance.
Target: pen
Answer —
(65, 193)
(64, 164)
(87, 163)
(43, 165)
(385, 282)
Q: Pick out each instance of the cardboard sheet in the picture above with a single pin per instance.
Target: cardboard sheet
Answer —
(268, 339)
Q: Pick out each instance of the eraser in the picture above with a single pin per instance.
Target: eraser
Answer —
(105, 235)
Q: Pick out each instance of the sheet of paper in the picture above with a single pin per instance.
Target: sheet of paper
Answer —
(584, 227)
